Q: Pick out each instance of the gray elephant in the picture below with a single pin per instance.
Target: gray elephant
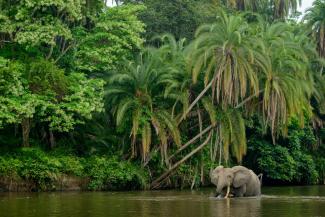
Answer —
(237, 181)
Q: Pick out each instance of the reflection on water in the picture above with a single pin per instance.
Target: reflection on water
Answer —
(278, 201)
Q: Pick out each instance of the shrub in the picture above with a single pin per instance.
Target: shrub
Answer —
(274, 161)
(109, 173)
(44, 170)
(306, 169)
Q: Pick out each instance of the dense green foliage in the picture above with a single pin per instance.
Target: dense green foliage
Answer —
(290, 160)
(160, 87)
(46, 170)
(114, 39)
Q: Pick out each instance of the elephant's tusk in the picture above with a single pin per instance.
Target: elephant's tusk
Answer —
(228, 191)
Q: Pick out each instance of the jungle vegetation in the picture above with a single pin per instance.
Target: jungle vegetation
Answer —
(155, 93)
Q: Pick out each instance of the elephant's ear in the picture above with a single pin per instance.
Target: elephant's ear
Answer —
(214, 174)
(241, 177)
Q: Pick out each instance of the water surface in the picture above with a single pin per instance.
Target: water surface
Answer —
(275, 202)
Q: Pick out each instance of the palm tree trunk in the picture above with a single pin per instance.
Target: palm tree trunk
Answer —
(210, 84)
(196, 101)
(220, 154)
(202, 169)
(25, 126)
(242, 103)
(191, 141)
(166, 174)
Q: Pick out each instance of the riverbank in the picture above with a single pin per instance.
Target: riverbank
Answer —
(36, 170)
(31, 169)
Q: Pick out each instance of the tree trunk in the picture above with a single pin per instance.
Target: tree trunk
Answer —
(25, 126)
(195, 101)
(220, 154)
(202, 170)
(194, 177)
(242, 103)
(52, 139)
(191, 141)
(165, 175)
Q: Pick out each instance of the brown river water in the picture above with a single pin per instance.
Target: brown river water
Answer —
(275, 202)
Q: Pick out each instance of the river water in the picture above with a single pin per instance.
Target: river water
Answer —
(275, 202)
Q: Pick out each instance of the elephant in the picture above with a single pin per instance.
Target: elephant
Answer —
(237, 181)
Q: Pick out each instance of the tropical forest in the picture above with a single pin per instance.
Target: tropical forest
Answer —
(154, 94)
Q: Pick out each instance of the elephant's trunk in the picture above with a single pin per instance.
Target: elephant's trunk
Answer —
(220, 186)
(228, 191)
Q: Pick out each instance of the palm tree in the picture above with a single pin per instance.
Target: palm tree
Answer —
(286, 79)
(276, 9)
(271, 73)
(136, 99)
(223, 52)
(176, 78)
(245, 5)
(223, 57)
(229, 128)
(315, 17)
(319, 95)
(282, 8)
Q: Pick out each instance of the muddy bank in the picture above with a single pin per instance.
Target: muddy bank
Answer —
(61, 183)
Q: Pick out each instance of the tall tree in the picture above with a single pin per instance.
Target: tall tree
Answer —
(136, 98)
(282, 8)
(48, 96)
(34, 38)
(315, 17)
(115, 38)
(286, 78)
(224, 53)
(177, 17)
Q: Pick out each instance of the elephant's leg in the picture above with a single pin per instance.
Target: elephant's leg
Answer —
(240, 192)
(221, 194)
(216, 194)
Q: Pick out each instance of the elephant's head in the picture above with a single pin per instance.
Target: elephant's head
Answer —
(229, 177)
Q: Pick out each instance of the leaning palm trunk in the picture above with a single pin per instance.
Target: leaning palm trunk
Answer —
(191, 141)
(196, 101)
(156, 183)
